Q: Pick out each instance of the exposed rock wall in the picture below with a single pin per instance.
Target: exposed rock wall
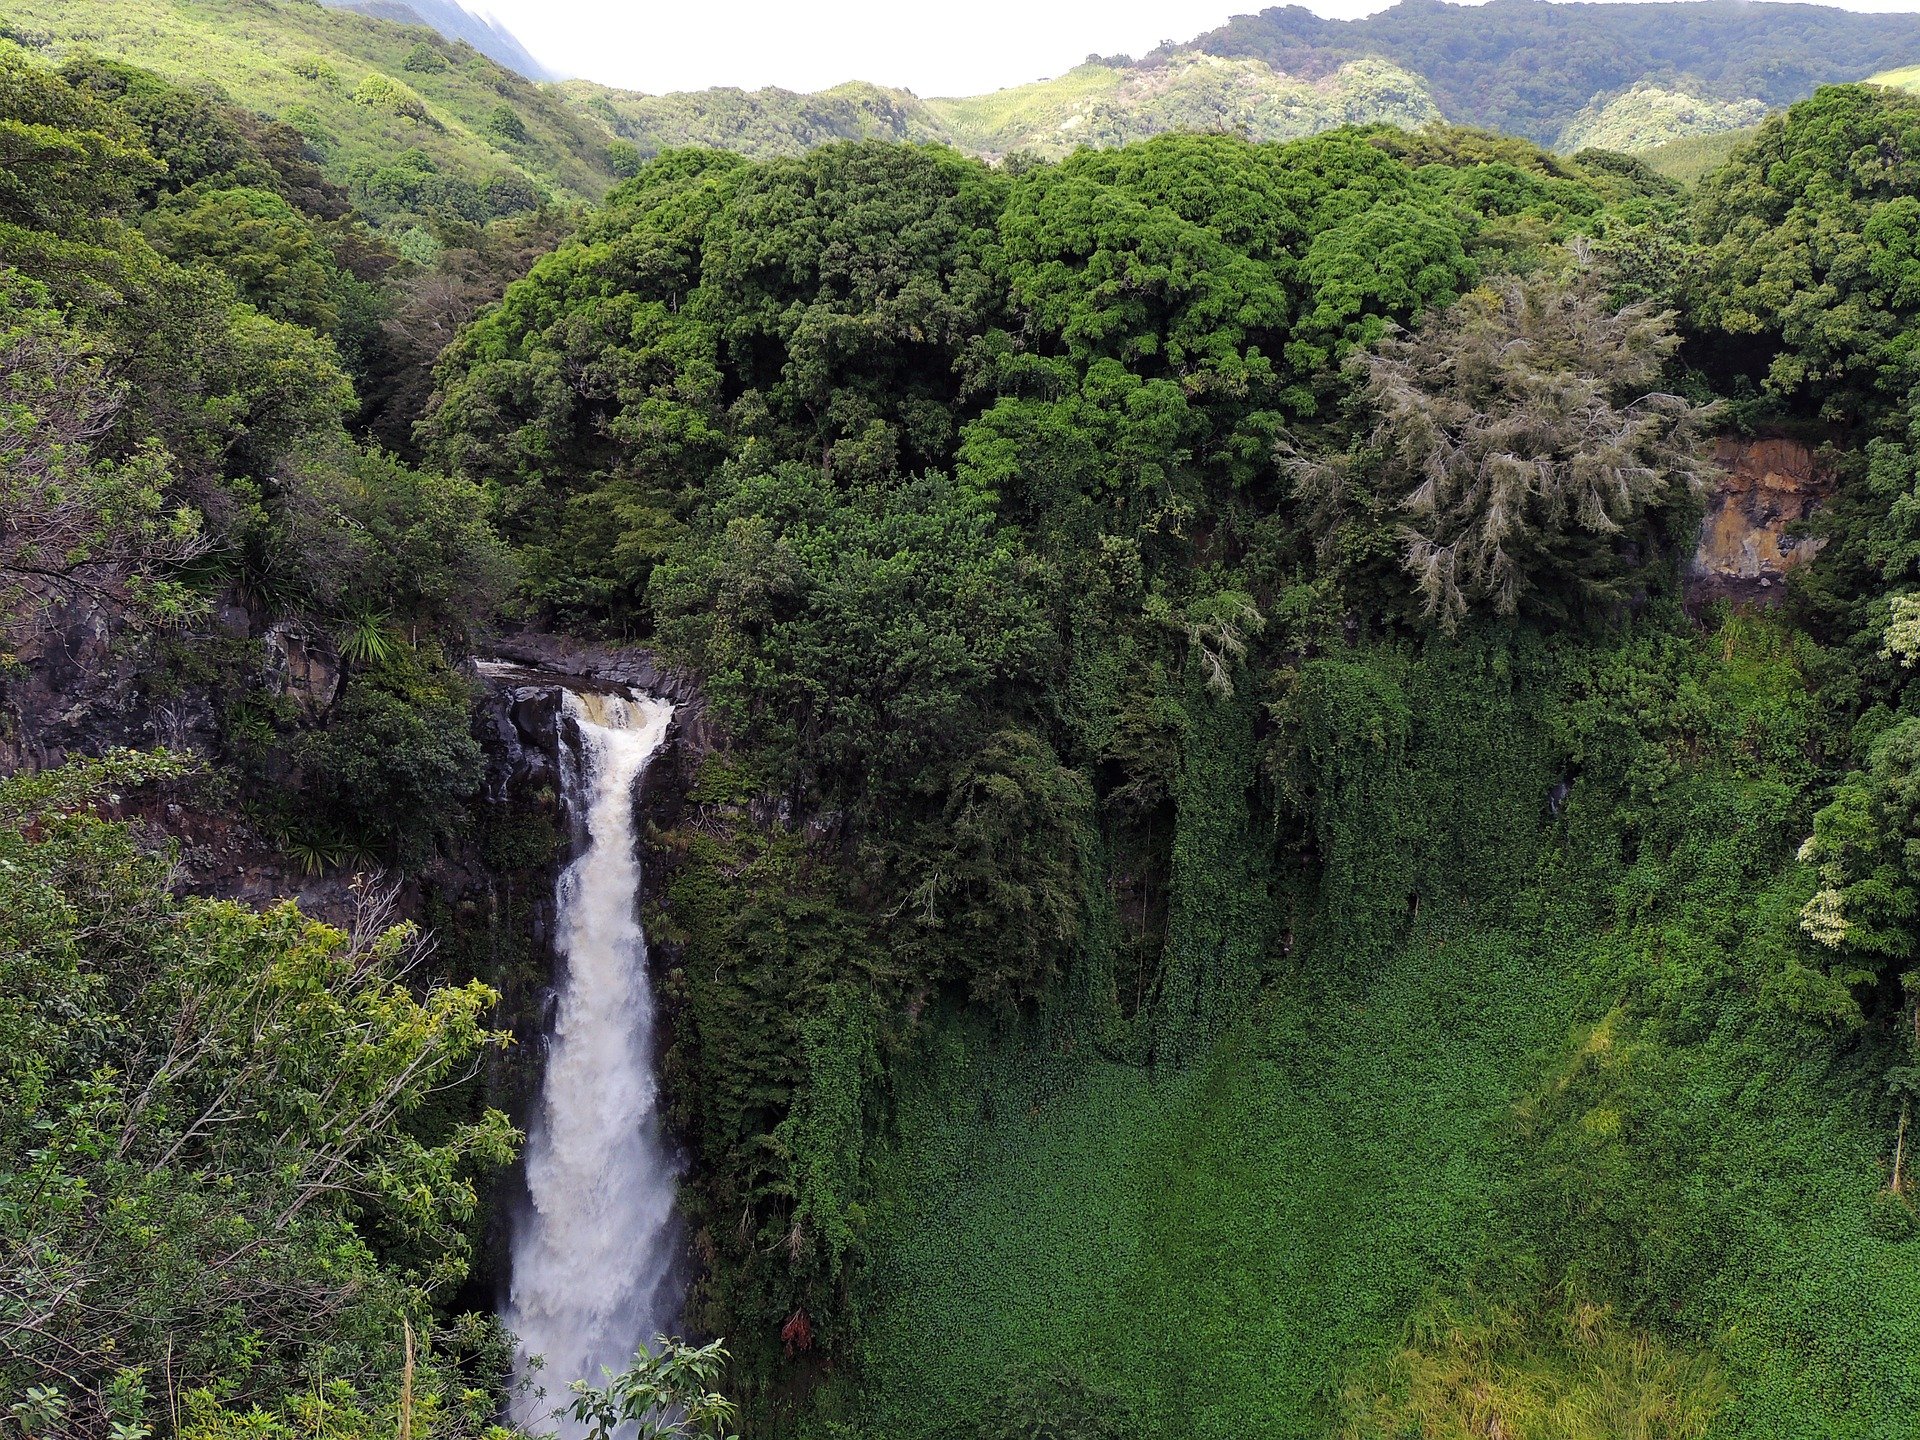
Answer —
(1746, 546)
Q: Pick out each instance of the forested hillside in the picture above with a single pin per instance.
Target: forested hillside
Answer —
(1299, 931)
(1239, 870)
(414, 125)
(1093, 104)
(1529, 67)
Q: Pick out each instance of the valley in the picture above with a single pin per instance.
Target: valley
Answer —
(1226, 746)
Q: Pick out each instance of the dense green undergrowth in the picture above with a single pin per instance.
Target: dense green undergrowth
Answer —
(1464, 1177)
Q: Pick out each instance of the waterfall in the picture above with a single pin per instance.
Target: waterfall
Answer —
(593, 1255)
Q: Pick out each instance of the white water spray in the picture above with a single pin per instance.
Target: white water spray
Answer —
(594, 1256)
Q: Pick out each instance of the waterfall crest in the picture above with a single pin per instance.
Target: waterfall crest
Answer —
(593, 1256)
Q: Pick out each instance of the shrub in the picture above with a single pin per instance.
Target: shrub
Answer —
(424, 59)
(383, 92)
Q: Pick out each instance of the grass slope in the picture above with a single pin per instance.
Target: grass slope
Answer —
(1906, 78)
(1217, 1245)
(1012, 119)
(298, 61)
(1689, 161)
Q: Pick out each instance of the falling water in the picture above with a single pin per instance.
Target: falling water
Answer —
(593, 1256)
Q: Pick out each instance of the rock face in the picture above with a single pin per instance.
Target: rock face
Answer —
(1745, 550)
(516, 721)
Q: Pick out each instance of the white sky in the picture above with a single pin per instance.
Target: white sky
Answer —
(932, 47)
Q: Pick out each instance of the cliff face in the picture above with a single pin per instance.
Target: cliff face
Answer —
(1745, 548)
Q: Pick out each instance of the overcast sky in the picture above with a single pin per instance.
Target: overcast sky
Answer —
(932, 47)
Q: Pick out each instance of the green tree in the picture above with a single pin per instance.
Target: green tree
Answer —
(77, 526)
(203, 1128)
(66, 158)
(666, 1394)
(1811, 248)
(505, 125)
(1866, 844)
(271, 252)
(1521, 435)
(856, 633)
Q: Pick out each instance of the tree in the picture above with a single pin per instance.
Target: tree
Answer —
(1865, 844)
(73, 525)
(268, 249)
(65, 157)
(1520, 434)
(1811, 237)
(204, 1127)
(857, 633)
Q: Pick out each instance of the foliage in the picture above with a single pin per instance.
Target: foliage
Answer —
(668, 1392)
(955, 486)
(1060, 1406)
(1621, 1084)
(1863, 843)
(274, 256)
(1650, 115)
(1521, 434)
(75, 526)
(205, 1132)
(853, 632)
(178, 437)
(1692, 160)
(395, 761)
(1809, 236)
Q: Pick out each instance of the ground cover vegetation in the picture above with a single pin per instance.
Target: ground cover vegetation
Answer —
(1233, 897)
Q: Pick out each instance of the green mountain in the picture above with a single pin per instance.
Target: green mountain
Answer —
(1568, 76)
(1092, 104)
(1098, 104)
(416, 123)
(1535, 67)
(411, 122)
(760, 123)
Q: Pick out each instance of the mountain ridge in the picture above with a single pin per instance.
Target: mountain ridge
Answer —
(1527, 67)
(456, 22)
